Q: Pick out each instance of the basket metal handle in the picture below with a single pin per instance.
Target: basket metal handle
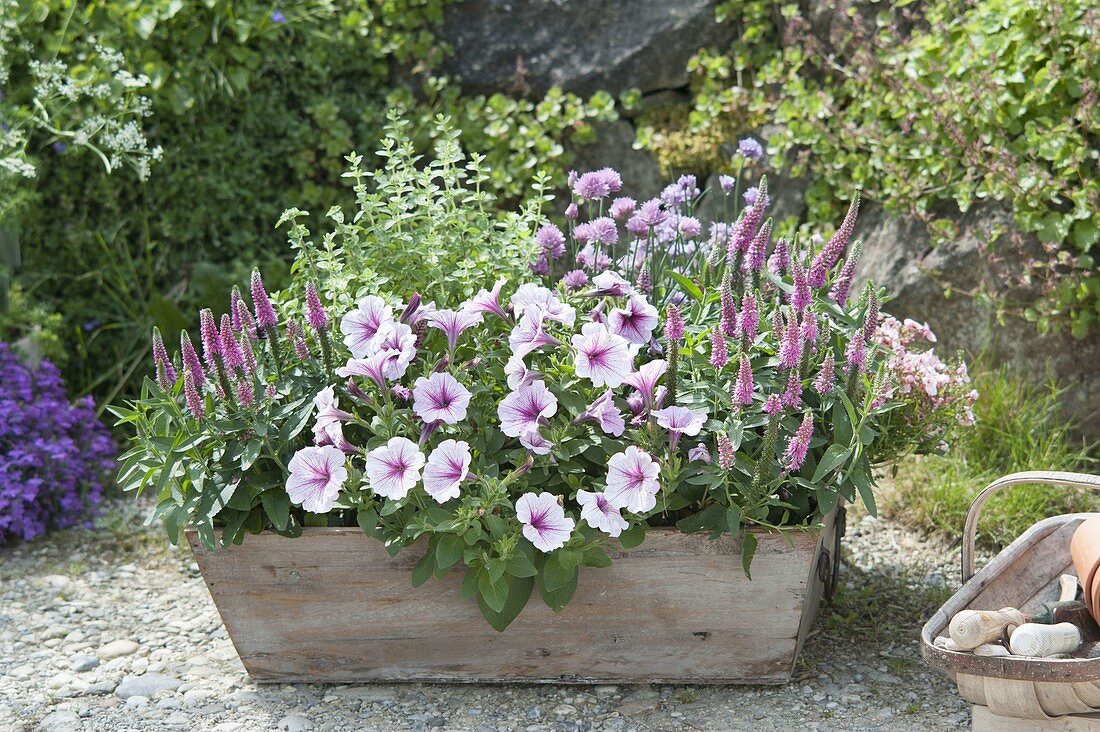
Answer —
(1032, 477)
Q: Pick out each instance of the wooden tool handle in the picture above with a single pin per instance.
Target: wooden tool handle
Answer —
(972, 628)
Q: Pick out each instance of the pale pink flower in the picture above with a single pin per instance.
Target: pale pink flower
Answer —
(535, 442)
(487, 301)
(604, 412)
(530, 296)
(398, 338)
(361, 326)
(635, 322)
(440, 398)
(394, 468)
(526, 409)
(700, 453)
(544, 521)
(602, 357)
(611, 284)
(598, 513)
(452, 323)
(447, 467)
(679, 421)
(632, 480)
(327, 428)
(517, 372)
(529, 334)
(645, 380)
(373, 367)
(316, 474)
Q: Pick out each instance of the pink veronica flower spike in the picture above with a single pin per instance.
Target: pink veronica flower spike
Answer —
(316, 474)
(544, 521)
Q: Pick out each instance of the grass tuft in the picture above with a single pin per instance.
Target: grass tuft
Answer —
(1020, 427)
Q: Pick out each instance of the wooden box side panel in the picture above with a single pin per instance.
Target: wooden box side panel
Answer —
(333, 606)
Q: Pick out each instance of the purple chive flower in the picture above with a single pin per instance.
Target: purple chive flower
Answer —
(750, 195)
(679, 421)
(726, 183)
(572, 212)
(603, 231)
(792, 395)
(265, 312)
(452, 323)
(544, 521)
(689, 227)
(297, 338)
(725, 452)
(826, 379)
(277, 17)
(719, 352)
(750, 148)
(832, 251)
(749, 321)
(799, 444)
(597, 184)
(780, 260)
(855, 355)
(232, 356)
(800, 295)
(195, 403)
(758, 248)
(773, 405)
(604, 412)
(488, 301)
(839, 293)
(674, 324)
(645, 381)
(166, 372)
(743, 387)
(191, 360)
(622, 208)
(551, 240)
(541, 265)
(790, 346)
(211, 341)
(315, 311)
(699, 454)
(651, 213)
(637, 227)
(575, 280)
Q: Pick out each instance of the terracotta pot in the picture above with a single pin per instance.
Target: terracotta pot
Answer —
(1084, 549)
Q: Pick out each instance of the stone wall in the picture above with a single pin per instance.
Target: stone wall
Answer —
(587, 45)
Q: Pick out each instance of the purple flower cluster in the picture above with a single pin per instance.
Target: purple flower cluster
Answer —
(54, 454)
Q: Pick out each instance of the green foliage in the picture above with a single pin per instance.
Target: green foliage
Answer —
(1019, 427)
(252, 114)
(937, 102)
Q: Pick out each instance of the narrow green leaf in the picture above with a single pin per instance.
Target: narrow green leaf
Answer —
(748, 550)
(833, 458)
(733, 520)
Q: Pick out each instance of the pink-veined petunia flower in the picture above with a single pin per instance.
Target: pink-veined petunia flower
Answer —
(529, 334)
(400, 339)
(394, 468)
(635, 322)
(604, 412)
(598, 513)
(530, 297)
(361, 326)
(645, 380)
(602, 357)
(544, 521)
(452, 323)
(610, 284)
(373, 367)
(679, 421)
(518, 374)
(526, 409)
(534, 441)
(328, 409)
(447, 467)
(316, 474)
(632, 480)
(440, 398)
(487, 301)
(699, 454)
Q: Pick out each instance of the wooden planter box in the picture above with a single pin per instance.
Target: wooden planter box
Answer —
(333, 606)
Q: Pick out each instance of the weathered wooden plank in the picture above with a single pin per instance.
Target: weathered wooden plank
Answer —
(333, 606)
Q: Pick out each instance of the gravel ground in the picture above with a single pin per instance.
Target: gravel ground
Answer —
(112, 629)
